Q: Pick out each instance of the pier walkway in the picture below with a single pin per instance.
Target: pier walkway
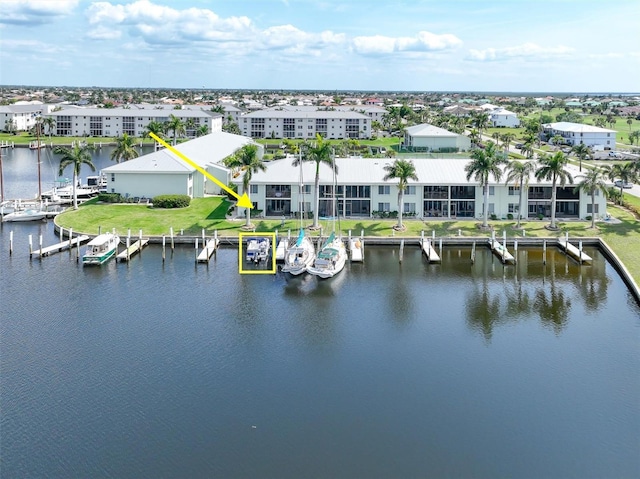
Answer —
(429, 251)
(576, 253)
(132, 250)
(500, 251)
(62, 246)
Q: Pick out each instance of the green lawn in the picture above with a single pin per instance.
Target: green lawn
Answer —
(25, 139)
(209, 213)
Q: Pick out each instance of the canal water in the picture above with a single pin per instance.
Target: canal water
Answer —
(171, 369)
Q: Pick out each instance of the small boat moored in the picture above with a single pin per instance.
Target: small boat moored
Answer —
(26, 215)
(100, 249)
(258, 249)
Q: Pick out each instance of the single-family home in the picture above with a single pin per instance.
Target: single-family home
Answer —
(425, 137)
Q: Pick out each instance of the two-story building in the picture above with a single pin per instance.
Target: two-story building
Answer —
(578, 133)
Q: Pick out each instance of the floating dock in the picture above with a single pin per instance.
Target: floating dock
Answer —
(64, 245)
(429, 251)
(209, 249)
(132, 250)
(356, 250)
(500, 251)
(575, 253)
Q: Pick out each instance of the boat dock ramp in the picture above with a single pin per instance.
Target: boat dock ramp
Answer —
(210, 247)
(356, 248)
(576, 253)
(58, 247)
(428, 250)
(132, 249)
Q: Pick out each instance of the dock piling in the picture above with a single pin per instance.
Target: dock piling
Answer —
(196, 250)
(41, 247)
(171, 235)
(70, 236)
(473, 252)
(30, 246)
(164, 244)
(401, 250)
(10, 243)
(544, 251)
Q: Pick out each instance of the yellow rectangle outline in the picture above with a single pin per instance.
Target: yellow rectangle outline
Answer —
(241, 237)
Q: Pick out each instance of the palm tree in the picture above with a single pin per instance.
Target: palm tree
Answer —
(553, 168)
(403, 170)
(507, 138)
(76, 157)
(480, 121)
(50, 123)
(125, 149)
(176, 125)
(318, 153)
(519, 173)
(626, 173)
(246, 158)
(582, 151)
(157, 129)
(202, 130)
(557, 141)
(591, 182)
(485, 163)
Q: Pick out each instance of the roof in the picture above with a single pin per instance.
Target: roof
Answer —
(370, 171)
(203, 151)
(305, 113)
(426, 130)
(120, 112)
(576, 127)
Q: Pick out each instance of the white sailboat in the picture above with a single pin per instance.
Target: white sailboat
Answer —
(332, 256)
(300, 254)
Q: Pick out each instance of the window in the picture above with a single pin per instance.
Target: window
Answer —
(492, 208)
(384, 189)
(409, 208)
(514, 190)
(113, 177)
(384, 207)
(492, 190)
(589, 208)
(513, 207)
(410, 190)
(253, 189)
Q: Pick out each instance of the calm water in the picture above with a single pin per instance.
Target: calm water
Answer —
(388, 370)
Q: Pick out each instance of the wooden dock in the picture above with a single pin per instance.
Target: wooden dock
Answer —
(429, 251)
(62, 246)
(356, 250)
(208, 250)
(132, 250)
(576, 253)
(500, 251)
(283, 245)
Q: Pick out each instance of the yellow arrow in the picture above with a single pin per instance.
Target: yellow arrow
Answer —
(243, 201)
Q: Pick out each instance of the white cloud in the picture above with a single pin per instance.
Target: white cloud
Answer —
(529, 51)
(422, 42)
(35, 12)
(102, 33)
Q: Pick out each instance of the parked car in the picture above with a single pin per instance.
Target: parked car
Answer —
(519, 146)
(614, 154)
(566, 149)
(619, 183)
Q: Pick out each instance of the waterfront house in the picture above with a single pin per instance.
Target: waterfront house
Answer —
(162, 172)
(502, 117)
(442, 190)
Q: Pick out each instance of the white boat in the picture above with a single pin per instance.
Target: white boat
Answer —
(101, 248)
(331, 258)
(258, 249)
(300, 255)
(26, 215)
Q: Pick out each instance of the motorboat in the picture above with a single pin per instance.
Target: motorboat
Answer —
(300, 255)
(331, 258)
(258, 249)
(26, 215)
(100, 249)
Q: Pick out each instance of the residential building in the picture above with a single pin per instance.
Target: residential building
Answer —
(162, 172)
(112, 122)
(578, 133)
(22, 116)
(502, 117)
(442, 190)
(305, 122)
(425, 137)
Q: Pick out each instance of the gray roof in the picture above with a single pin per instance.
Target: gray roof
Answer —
(311, 113)
(21, 108)
(370, 171)
(576, 127)
(120, 112)
(208, 149)
(426, 130)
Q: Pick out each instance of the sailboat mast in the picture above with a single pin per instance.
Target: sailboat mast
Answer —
(1, 178)
(38, 148)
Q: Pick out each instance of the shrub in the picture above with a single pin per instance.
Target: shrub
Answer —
(110, 198)
(588, 218)
(171, 201)
(493, 217)
(540, 216)
(509, 216)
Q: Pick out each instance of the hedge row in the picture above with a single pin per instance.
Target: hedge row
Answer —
(171, 201)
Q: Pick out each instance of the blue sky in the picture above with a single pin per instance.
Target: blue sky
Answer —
(424, 45)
